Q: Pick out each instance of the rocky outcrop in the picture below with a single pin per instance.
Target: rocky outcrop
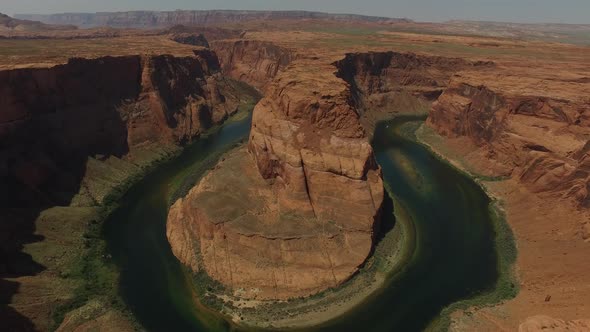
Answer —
(54, 120)
(542, 141)
(385, 83)
(144, 19)
(190, 39)
(103, 106)
(251, 61)
(301, 211)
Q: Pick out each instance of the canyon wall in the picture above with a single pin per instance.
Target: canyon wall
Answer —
(69, 135)
(542, 141)
(389, 83)
(52, 119)
(303, 207)
(146, 19)
(251, 61)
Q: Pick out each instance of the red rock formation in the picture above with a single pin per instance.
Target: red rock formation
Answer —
(251, 61)
(52, 119)
(538, 139)
(385, 83)
(300, 213)
(71, 134)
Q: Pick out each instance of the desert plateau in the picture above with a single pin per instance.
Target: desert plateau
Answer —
(293, 170)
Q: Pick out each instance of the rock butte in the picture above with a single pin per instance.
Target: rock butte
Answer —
(306, 220)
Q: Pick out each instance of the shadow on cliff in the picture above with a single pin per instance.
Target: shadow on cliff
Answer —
(387, 222)
(51, 121)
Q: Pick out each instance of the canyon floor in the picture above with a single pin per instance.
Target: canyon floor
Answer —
(551, 224)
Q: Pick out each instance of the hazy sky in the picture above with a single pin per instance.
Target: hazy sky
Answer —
(563, 11)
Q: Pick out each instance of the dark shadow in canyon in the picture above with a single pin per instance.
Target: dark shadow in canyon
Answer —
(387, 221)
(51, 121)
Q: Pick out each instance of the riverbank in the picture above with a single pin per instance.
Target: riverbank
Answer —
(394, 247)
(548, 241)
(393, 253)
(95, 301)
(506, 287)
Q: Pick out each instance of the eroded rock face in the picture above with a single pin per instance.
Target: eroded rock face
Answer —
(541, 141)
(296, 215)
(53, 119)
(251, 61)
(71, 134)
(387, 83)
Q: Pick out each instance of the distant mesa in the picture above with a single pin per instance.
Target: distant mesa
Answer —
(154, 19)
(8, 23)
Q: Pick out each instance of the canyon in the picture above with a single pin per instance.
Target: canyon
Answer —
(73, 133)
(295, 211)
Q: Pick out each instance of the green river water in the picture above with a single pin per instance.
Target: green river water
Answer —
(454, 258)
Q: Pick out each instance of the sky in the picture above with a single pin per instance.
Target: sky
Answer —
(529, 11)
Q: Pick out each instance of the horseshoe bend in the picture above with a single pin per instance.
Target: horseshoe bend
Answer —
(301, 210)
(247, 170)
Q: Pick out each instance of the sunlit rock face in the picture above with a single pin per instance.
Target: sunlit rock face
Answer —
(296, 211)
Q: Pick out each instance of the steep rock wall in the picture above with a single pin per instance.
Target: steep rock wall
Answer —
(251, 61)
(80, 129)
(54, 118)
(541, 141)
(302, 215)
(386, 83)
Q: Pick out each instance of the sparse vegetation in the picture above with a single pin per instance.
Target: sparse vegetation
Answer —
(506, 286)
(97, 275)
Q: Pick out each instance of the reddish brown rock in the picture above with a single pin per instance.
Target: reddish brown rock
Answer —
(299, 214)
(538, 139)
(389, 83)
(59, 125)
(251, 61)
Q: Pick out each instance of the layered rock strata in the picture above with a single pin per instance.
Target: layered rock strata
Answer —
(62, 127)
(389, 83)
(300, 212)
(542, 141)
(251, 61)
(103, 106)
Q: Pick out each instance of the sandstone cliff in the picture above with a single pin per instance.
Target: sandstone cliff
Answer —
(386, 83)
(56, 117)
(251, 61)
(71, 133)
(540, 140)
(299, 214)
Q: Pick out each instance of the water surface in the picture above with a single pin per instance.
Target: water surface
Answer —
(455, 257)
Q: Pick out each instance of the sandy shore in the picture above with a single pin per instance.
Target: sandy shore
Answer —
(552, 269)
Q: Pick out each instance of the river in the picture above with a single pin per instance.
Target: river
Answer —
(455, 255)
